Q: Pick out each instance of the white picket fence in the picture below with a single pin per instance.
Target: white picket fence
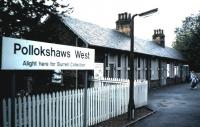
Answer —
(140, 93)
(65, 109)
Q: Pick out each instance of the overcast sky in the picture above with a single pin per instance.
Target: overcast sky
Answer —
(169, 16)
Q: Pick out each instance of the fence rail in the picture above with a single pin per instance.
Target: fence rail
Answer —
(65, 109)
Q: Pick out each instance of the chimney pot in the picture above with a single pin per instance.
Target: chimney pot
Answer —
(119, 16)
(125, 15)
(129, 17)
(159, 31)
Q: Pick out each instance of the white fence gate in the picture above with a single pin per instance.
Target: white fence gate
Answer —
(65, 109)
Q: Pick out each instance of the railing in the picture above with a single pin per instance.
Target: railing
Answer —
(65, 109)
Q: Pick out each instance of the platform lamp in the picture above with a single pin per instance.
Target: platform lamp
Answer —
(131, 104)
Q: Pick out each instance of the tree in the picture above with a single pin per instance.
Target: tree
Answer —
(21, 16)
(22, 19)
(188, 40)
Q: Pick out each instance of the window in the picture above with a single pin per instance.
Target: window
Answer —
(119, 61)
(138, 62)
(126, 67)
(150, 69)
(129, 61)
(138, 74)
(106, 74)
(146, 74)
(106, 60)
(119, 74)
(168, 70)
(129, 74)
(111, 72)
(175, 70)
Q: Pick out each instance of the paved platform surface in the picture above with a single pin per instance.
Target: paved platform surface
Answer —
(176, 105)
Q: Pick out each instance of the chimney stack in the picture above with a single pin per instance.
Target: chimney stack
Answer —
(159, 37)
(123, 23)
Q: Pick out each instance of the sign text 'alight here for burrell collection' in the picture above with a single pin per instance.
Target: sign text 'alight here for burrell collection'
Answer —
(20, 54)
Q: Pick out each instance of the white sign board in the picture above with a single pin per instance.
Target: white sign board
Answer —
(98, 70)
(19, 54)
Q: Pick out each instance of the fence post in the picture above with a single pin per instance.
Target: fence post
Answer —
(85, 100)
(5, 115)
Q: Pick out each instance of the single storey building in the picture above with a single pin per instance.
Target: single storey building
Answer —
(153, 61)
(159, 64)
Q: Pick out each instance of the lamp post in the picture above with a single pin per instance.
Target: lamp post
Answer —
(131, 105)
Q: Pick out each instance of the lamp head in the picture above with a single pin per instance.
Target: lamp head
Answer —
(148, 12)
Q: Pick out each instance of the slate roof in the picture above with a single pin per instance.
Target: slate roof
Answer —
(99, 36)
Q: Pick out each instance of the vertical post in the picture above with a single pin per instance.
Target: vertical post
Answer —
(160, 72)
(148, 71)
(131, 105)
(181, 72)
(13, 99)
(85, 100)
(85, 97)
(76, 79)
(76, 70)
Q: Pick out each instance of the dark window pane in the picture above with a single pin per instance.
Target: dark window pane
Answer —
(119, 61)
(119, 74)
(138, 74)
(111, 74)
(106, 60)
(138, 62)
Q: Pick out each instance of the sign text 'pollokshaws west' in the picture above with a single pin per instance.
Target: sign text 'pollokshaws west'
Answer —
(18, 54)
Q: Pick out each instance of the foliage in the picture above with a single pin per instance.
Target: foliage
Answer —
(21, 16)
(188, 40)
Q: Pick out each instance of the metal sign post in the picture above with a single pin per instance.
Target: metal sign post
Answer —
(85, 97)
(13, 99)
(85, 100)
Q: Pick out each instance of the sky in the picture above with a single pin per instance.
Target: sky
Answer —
(170, 14)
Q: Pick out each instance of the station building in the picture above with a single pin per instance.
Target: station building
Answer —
(153, 61)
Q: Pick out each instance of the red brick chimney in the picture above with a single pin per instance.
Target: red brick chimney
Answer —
(159, 37)
(123, 23)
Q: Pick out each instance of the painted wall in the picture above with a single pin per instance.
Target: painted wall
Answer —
(162, 71)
